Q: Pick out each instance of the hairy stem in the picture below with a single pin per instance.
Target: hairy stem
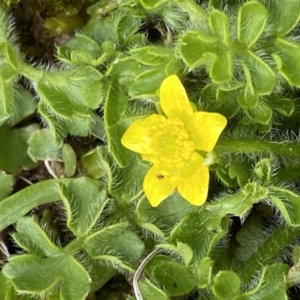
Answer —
(288, 149)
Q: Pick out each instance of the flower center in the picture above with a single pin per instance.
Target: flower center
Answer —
(171, 146)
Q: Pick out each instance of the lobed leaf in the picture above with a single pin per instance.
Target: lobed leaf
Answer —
(6, 184)
(32, 238)
(226, 285)
(123, 250)
(288, 204)
(42, 146)
(219, 25)
(32, 274)
(251, 23)
(84, 200)
(174, 277)
(288, 61)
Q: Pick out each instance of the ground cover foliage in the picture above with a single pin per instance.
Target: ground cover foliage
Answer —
(75, 223)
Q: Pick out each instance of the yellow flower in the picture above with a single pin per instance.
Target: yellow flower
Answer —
(171, 144)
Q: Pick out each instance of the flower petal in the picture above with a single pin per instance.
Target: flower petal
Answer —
(174, 100)
(195, 188)
(157, 188)
(205, 129)
(192, 166)
(136, 137)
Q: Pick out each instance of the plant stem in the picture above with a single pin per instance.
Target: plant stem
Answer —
(269, 251)
(30, 72)
(288, 149)
(74, 246)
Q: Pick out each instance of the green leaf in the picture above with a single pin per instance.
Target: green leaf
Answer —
(152, 55)
(131, 177)
(61, 24)
(151, 4)
(204, 271)
(125, 70)
(6, 98)
(71, 92)
(99, 272)
(182, 249)
(82, 57)
(271, 285)
(6, 184)
(102, 29)
(38, 194)
(13, 154)
(127, 26)
(241, 171)
(199, 226)
(226, 285)
(12, 56)
(219, 25)
(32, 238)
(285, 106)
(7, 291)
(240, 203)
(262, 113)
(7, 72)
(288, 61)
(246, 100)
(147, 83)
(84, 200)
(115, 245)
(288, 204)
(167, 214)
(262, 76)
(286, 15)
(194, 47)
(93, 163)
(102, 7)
(55, 125)
(25, 103)
(263, 170)
(250, 237)
(293, 276)
(79, 126)
(150, 291)
(221, 70)
(175, 278)
(70, 160)
(34, 274)
(116, 124)
(42, 146)
(252, 20)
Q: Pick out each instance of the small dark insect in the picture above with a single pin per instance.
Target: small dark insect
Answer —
(160, 176)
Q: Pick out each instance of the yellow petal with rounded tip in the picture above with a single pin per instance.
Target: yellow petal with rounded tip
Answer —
(195, 188)
(136, 138)
(174, 100)
(157, 188)
(192, 166)
(205, 129)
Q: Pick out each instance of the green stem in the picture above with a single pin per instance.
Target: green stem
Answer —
(269, 251)
(198, 16)
(30, 72)
(74, 246)
(288, 149)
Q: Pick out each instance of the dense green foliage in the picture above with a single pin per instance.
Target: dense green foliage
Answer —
(93, 221)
